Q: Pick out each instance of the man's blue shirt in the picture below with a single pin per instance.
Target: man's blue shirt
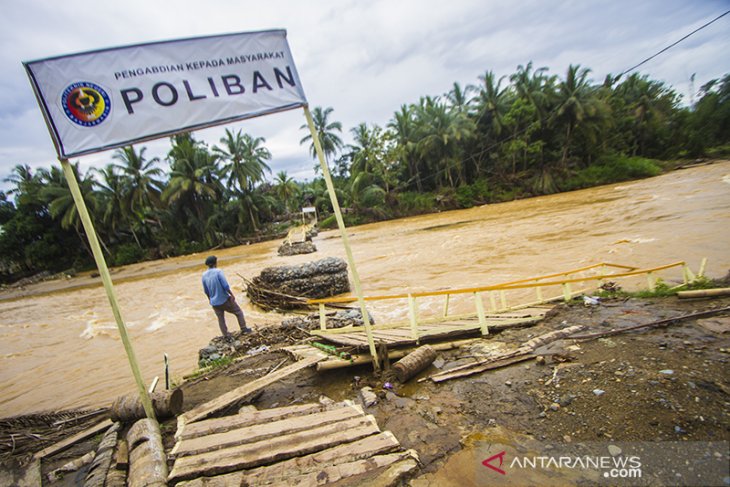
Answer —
(215, 286)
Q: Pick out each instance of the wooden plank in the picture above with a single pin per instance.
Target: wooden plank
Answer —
(349, 452)
(268, 451)
(248, 418)
(355, 470)
(260, 432)
(68, 442)
(221, 402)
(275, 473)
(392, 475)
(477, 368)
(348, 339)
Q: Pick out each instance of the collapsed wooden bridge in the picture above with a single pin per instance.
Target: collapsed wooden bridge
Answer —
(387, 338)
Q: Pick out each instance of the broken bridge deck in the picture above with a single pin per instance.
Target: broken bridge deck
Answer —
(446, 329)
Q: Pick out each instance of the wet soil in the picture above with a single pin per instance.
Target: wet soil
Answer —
(667, 383)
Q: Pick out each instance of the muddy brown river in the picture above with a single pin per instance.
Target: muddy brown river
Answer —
(59, 346)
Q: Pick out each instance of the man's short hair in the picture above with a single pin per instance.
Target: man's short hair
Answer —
(211, 261)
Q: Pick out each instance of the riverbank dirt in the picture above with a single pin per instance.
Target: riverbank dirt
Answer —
(667, 383)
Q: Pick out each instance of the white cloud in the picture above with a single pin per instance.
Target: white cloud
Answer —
(364, 59)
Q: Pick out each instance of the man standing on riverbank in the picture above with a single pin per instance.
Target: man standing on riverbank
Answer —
(221, 297)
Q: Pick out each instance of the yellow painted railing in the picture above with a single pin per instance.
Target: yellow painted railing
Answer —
(562, 279)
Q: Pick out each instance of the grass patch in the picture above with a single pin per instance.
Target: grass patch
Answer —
(210, 365)
(612, 170)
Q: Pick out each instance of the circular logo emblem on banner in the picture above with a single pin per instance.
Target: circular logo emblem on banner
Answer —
(86, 104)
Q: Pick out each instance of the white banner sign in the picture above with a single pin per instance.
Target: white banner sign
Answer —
(115, 97)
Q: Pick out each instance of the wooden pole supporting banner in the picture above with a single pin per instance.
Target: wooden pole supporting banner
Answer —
(108, 286)
(343, 233)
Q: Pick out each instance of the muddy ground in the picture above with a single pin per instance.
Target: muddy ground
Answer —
(667, 383)
(662, 384)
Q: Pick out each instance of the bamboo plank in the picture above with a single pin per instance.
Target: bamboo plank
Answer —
(477, 368)
(276, 449)
(275, 473)
(221, 402)
(68, 442)
(260, 432)
(248, 418)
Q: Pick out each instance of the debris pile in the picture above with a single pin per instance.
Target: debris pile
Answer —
(241, 343)
(286, 249)
(335, 319)
(287, 287)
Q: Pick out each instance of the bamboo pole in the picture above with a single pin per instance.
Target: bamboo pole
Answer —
(343, 233)
(703, 266)
(322, 317)
(480, 313)
(446, 305)
(413, 317)
(108, 286)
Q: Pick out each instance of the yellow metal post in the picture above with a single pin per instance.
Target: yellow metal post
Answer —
(107, 281)
(413, 316)
(343, 233)
(322, 317)
(446, 305)
(480, 313)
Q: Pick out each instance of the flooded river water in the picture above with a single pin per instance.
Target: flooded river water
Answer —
(59, 346)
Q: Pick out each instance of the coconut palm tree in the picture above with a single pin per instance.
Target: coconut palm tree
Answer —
(325, 129)
(141, 178)
(286, 188)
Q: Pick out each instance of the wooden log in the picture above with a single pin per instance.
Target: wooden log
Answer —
(96, 476)
(704, 293)
(395, 473)
(334, 363)
(260, 432)
(121, 455)
(268, 451)
(147, 459)
(414, 362)
(129, 408)
(240, 393)
(71, 466)
(72, 440)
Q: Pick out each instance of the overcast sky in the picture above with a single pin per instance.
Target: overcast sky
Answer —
(363, 58)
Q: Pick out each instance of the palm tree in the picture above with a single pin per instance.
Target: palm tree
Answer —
(60, 201)
(576, 103)
(459, 98)
(21, 177)
(325, 129)
(112, 196)
(286, 189)
(194, 180)
(140, 177)
(403, 128)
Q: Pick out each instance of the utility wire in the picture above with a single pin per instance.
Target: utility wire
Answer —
(674, 43)
(553, 112)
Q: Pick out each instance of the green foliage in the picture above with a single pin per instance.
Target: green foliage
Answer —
(128, 254)
(611, 169)
(526, 134)
(207, 366)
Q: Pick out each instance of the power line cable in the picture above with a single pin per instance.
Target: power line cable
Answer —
(553, 112)
(674, 44)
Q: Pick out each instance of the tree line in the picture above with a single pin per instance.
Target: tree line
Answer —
(530, 133)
